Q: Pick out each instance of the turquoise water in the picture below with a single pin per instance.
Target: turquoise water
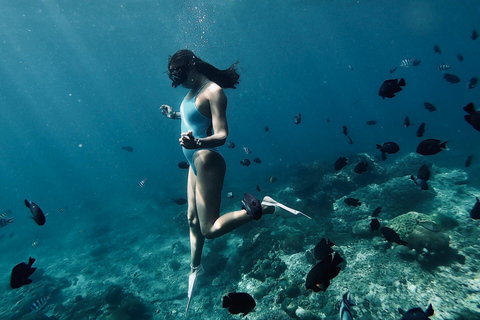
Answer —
(82, 79)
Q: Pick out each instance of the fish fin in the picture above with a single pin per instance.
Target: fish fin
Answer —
(379, 146)
(30, 261)
(429, 310)
(468, 118)
(226, 302)
(443, 145)
(469, 108)
(331, 244)
(337, 259)
(402, 83)
(401, 311)
(28, 204)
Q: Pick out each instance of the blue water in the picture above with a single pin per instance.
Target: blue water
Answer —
(82, 79)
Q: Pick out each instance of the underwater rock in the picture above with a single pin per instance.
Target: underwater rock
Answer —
(114, 295)
(362, 228)
(305, 314)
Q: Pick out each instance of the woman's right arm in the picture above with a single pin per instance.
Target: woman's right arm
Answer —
(168, 112)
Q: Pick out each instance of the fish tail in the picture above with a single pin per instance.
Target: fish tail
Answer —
(444, 145)
(402, 83)
(28, 204)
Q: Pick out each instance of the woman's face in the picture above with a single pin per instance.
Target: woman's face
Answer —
(178, 74)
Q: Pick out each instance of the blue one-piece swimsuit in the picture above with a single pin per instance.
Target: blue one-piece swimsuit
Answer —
(200, 125)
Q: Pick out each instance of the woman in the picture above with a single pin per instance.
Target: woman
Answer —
(204, 129)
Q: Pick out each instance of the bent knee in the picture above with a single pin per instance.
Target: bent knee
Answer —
(208, 232)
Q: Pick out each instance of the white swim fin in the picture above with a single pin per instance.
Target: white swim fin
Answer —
(268, 201)
(192, 281)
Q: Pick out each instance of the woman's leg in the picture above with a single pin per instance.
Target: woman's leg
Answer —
(197, 240)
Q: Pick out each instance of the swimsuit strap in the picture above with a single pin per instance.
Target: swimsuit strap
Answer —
(201, 88)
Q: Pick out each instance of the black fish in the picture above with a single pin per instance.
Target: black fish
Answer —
(468, 161)
(391, 236)
(420, 182)
(245, 162)
(340, 163)
(20, 274)
(406, 122)
(421, 130)
(361, 167)
(389, 147)
(424, 173)
(475, 212)
(390, 87)
(473, 117)
(323, 249)
(180, 201)
(417, 313)
(127, 148)
(460, 57)
(318, 279)
(474, 35)
(371, 122)
(451, 78)
(472, 83)
(416, 62)
(376, 212)
(267, 129)
(297, 119)
(352, 202)
(257, 160)
(392, 70)
(430, 147)
(230, 144)
(374, 225)
(430, 107)
(183, 165)
(37, 213)
(239, 302)
(436, 49)
(345, 130)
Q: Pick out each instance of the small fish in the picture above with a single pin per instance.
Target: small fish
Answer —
(361, 167)
(424, 173)
(318, 279)
(247, 151)
(350, 67)
(474, 35)
(21, 274)
(420, 182)
(391, 236)
(390, 87)
(389, 147)
(430, 107)
(230, 144)
(406, 62)
(350, 140)
(323, 248)
(374, 224)
(37, 213)
(472, 83)
(376, 212)
(238, 302)
(5, 221)
(371, 122)
(127, 148)
(429, 225)
(417, 313)
(451, 78)
(460, 57)
(352, 202)
(141, 184)
(267, 129)
(416, 62)
(297, 119)
(328, 119)
(436, 49)
(430, 147)
(39, 304)
(180, 201)
(258, 188)
(475, 212)
(230, 195)
(35, 244)
(183, 165)
(392, 70)
(473, 117)
(345, 130)
(245, 162)
(340, 163)
(421, 130)
(406, 122)
(257, 160)
(346, 307)
(443, 67)
(468, 161)
(273, 179)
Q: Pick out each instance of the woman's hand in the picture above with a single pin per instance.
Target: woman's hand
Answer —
(167, 111)
(187, 140)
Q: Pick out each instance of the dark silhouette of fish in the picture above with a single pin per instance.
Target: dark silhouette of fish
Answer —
(297, 119)
(468, 161)
(475, 212)
(180, 201)
(430, 107)
(430, 147)
(267, 129)
(417, 313)
(460, 57)
(371, 122)
(340, 163)
(345, 130)
(352, 202)
(318, 279)
(257, 160)
(323, 248)
(183, 165)
(374, 225)
(391, 236)
(392, 70)
(451, 78)
(245, 162)
(390, 87)
(127, 148)
(361, 167)
(376, 212)
(474, 35)
(388, 148)
(416, 62)
(423, 176)
(436, 49)
(239, 302)
(230, 144)
(473, 117)
(21, 274)
(37, 213)
(406, 122)
(472, 83)
(421, 130)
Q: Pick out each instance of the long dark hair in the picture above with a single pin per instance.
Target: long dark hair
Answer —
(227, 78)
